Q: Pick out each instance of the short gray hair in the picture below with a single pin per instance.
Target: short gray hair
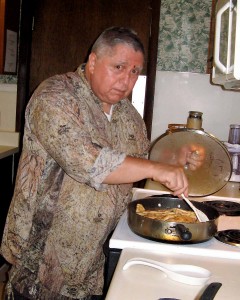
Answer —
(113, 36)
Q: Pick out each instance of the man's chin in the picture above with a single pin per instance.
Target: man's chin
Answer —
(115, 100)
(119, 96)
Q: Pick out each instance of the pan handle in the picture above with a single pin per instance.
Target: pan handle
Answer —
(183, 232)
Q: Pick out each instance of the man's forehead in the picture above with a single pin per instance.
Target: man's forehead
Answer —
(117, 49)
(125, 53)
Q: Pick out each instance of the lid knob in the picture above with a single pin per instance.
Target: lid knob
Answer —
(194, 120)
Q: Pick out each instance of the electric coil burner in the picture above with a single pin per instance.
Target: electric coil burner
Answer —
(231, 237)
(228, 208)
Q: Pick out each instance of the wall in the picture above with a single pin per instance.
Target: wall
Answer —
(181, 81)
(176, 93)
(184, 31)
(8, 100)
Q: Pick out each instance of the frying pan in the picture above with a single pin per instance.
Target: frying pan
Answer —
(171, 232)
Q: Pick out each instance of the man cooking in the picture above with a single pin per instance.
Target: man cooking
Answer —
(84, 146)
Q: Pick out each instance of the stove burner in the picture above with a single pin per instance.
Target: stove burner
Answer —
(228, 208)
(231, 237)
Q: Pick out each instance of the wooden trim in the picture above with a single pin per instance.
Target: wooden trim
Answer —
(152, 64)
(211, 40)
(24, 62)
(2, 31)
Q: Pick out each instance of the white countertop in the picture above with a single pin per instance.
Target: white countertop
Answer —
(146, 283)
(7, 151)
(9, 143)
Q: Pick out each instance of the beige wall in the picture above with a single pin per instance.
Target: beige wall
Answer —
(177, 93)
(8, 95)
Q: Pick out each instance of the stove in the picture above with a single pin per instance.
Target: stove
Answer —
(220, 254)
(230, 237)
(228, 208)
(123, 237)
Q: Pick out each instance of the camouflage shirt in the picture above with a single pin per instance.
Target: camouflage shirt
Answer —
(61, 212)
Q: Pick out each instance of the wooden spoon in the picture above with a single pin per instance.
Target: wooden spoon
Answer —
(200, 215)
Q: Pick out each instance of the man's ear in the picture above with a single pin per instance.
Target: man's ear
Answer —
(92, 60)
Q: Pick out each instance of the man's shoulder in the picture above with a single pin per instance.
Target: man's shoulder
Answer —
(58, 80)
(57, 84)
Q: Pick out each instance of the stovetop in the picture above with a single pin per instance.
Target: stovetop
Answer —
(228, 208)
(123, 237)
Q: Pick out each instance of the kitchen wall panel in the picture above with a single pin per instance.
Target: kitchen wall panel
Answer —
(176, 93)
(8, 99)
(11, 79)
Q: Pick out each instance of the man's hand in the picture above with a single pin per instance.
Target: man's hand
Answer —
(191, 156)
(172, 177)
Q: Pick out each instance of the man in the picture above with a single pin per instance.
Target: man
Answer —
(84, 145)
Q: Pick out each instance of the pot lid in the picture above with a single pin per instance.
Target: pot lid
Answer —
(216, 169)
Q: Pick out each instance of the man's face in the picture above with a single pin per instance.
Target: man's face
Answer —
(113, 75)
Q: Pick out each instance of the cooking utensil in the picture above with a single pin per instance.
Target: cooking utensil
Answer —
(200, 215)
(188, 274)
(216, 169)
(211, 290)
(173, 232)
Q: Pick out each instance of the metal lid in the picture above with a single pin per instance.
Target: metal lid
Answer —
(216, 169)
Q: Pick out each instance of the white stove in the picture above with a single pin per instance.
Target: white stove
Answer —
(123, 237)
(223, 260)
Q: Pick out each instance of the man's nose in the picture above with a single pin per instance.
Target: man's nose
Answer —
(125, 79)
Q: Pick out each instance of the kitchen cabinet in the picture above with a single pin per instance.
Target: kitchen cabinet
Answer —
(6, 191)
(9, 28)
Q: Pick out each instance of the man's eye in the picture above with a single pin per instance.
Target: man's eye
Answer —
(135, 71)
(119, 67)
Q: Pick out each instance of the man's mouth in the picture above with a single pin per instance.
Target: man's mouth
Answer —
(120, 91)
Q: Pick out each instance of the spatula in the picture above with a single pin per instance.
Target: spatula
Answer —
(188, 274)
(200, 215)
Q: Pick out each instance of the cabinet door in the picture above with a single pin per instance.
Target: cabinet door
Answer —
(64, 31)
(6, 192)
(6, 189)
